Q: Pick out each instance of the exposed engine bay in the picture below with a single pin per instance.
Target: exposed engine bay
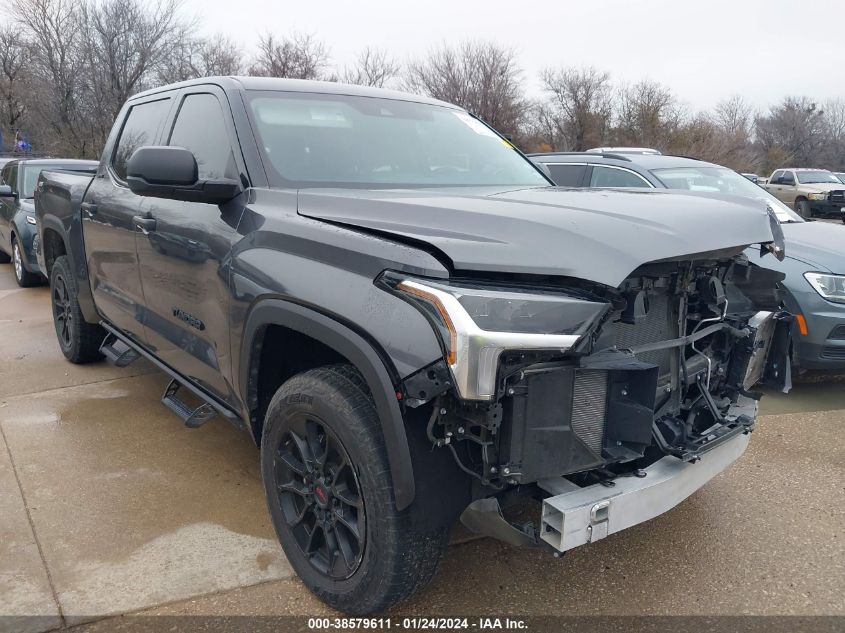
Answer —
(668, 369)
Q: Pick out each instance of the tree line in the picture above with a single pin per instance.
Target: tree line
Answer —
(67, 66)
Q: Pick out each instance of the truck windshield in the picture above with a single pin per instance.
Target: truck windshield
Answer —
(723, 180)
(324, 140)
(810, 177)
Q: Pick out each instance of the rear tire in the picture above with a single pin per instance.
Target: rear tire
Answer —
(79, 340)
(802, 208)
(330, 496)
(24, 278)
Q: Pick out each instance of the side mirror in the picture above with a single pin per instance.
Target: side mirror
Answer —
(172, 172)
(6, 192)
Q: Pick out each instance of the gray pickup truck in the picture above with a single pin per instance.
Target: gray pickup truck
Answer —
(412, 322)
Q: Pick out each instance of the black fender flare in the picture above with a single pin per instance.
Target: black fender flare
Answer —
(75, 252)
(362, 355)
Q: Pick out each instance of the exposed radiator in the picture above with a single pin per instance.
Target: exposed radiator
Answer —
(589, 405)
(658, 325)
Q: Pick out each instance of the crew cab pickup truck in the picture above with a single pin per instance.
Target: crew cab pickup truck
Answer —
(811, 192)
(412, 322)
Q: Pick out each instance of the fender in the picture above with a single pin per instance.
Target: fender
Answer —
(74, 246)
(360, 353)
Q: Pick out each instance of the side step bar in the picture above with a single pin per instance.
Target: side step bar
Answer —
(576, 516)
(118, 352)
(193, 418)
(115, 346)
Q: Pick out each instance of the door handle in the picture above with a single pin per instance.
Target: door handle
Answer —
(89, 208)
(146, 223)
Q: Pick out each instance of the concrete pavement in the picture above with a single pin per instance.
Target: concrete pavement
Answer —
(108, 505)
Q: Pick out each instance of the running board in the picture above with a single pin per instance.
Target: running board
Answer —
(118, 352)
(193, 418)
(173, 403)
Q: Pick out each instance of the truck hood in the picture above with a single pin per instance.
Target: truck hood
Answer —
(598, 235)
(817, 244)
(821, 187)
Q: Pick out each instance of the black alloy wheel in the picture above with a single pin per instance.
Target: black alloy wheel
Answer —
(320, 497)
(62, 311)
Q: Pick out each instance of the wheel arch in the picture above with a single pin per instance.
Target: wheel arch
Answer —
(350, 346)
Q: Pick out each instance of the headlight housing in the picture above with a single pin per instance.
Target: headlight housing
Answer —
(817, 196)
(476, 323)
(831, 287)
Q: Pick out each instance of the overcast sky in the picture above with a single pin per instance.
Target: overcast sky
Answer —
(706, 50)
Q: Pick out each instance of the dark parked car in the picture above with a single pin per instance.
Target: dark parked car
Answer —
(411, 321)
(17, 212)
(815, 255)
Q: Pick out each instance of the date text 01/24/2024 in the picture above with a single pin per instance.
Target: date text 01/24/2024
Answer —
(418, 623)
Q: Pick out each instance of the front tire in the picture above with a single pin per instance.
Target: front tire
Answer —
(802, 207)
(79, 340)
(330, 496)
(23, 277)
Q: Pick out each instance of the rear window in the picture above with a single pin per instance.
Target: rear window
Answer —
(567, 175)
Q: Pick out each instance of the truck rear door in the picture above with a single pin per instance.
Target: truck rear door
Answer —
(183, 249)
(107, 218)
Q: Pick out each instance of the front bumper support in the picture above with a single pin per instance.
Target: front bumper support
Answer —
(576, 516)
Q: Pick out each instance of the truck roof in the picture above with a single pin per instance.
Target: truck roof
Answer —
(296, 85)
(800, 169)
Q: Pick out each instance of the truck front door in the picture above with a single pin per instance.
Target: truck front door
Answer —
(107, 219)
(183, 251)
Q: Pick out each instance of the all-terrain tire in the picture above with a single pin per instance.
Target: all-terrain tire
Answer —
(79, 340)
(396, 557)
(23, 277)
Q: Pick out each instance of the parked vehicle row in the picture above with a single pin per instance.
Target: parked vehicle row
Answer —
(814, 267)
(414, 323)
(18, 235)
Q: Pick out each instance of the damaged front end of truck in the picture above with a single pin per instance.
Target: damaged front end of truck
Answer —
(611, 405)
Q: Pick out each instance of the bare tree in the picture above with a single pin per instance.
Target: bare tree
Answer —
(480, 76)
(373, 67)
(14, 54)
(54, 27)
(298, 56)
(793, 131)
(124, 42)
(579, 107)
(200, 57)
(647, 114)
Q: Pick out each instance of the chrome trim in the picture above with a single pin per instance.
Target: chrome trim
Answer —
(478, 351)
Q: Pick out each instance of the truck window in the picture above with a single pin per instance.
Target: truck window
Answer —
(775, 176)
(614, 177)
(567, 175)
(10, 176)
(201, 128)
(141, 128)
(788, 178)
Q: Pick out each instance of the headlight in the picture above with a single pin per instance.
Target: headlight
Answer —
(831, 287)
(817, 196)
(30, 219)
(477, 324)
